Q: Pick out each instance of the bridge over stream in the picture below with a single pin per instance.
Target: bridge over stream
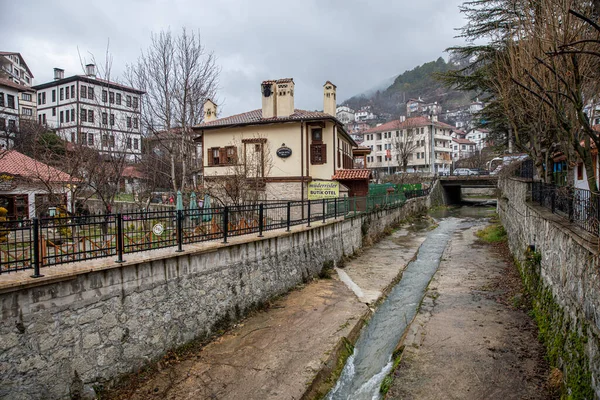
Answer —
(454, 186)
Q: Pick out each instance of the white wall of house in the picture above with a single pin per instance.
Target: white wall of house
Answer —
(479, 137)
(580, 176)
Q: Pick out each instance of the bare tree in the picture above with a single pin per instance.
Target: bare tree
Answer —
(178, 74)
(404, 143)
(242, 180)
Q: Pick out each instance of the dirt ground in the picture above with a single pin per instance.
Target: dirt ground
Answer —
(473, 338)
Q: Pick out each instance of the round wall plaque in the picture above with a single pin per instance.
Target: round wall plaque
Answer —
(284, 152)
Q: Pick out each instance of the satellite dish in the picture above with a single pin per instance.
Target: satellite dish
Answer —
(266, 89)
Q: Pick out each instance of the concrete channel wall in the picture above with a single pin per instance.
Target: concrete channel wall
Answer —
(60, 336)
(562, 274)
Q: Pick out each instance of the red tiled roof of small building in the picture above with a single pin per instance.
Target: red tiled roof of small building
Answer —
(463, 141)
(14, 163)
(131, 171)
(351, 174)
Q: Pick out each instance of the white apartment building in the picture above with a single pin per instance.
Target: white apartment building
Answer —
(476, 106)
(462, 148)
(16, 106)
(344, 114)
(479, 137)
(93, 112)
(14, 68)
(427, 137)
(364, 115)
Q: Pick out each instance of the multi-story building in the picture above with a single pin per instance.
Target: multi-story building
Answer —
(278, 147)
(476, 106)
(479, 136)
(415, 107)
(93, 112)
(14, 68)
(344, 114)
(462, 148)
(427, 138)
(16, 107)
(364, 114)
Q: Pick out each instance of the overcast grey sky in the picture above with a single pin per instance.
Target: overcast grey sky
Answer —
(355, 44)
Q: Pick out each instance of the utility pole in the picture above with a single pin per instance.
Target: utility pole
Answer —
(432, 157)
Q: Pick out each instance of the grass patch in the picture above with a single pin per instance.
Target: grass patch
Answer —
(492, 234)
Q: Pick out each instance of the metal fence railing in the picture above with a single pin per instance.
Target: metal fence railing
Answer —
(44, 242)
(581, 207)
(525, 169)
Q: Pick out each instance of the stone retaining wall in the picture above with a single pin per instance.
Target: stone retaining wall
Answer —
(59, 337)
(562, 275)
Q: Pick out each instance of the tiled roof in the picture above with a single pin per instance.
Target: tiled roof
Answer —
(351, 174)
(131, 171)
(283, 80)
(408, 123)
(173, 133)
(462, 141)
(255, 117)
(14, 163)
(9, 83)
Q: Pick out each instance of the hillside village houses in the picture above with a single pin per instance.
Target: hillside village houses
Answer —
(92, 111)
(479, 136)
(427, 137)
(293, 147)
(344, 114)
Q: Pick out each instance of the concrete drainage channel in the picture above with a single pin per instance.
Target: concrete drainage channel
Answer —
(371, 360)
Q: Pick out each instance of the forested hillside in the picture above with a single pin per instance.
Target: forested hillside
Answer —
(418, 82)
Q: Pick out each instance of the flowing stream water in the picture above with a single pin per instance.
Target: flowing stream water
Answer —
(372, 360)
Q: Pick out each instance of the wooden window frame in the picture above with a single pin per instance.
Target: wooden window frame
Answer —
(225, 156)
(318, 153)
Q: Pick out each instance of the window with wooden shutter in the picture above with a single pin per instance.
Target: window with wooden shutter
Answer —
(213, 156)
(231, 155)
(318, 153)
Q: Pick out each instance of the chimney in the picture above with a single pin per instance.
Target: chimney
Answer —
(269, 103)
(90, 70)
(210, 110)
(402, 118)
(59, 73)
(329, 102)
(284, 89)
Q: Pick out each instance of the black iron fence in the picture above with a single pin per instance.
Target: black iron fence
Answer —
(51, 241)
(524, 169)
(581, 207)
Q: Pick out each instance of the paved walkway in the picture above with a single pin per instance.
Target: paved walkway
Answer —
(276, 353)
(468, 340)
